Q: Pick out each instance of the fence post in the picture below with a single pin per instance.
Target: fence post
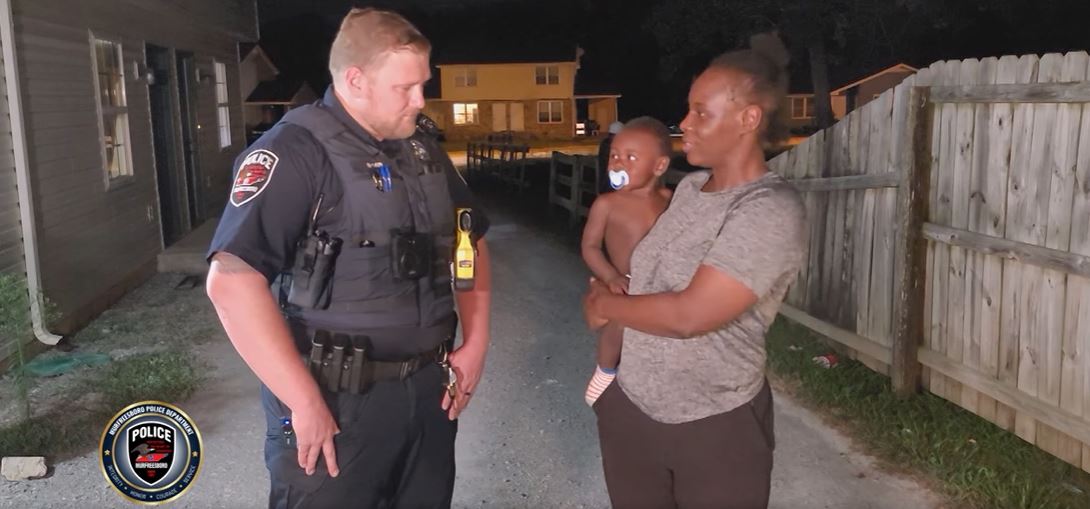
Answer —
(552, 181)
(520, 153)
(576, 190)
(469, 159)
(508, 166)
(910, 262)
(597, 177)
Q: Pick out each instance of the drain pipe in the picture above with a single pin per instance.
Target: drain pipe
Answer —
(22, 177)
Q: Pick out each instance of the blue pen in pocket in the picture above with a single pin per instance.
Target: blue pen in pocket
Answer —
(381, 178)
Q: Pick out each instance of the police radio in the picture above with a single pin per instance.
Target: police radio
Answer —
(313, 267)
(464, 256)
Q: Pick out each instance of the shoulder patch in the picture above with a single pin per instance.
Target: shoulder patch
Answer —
(253, 176)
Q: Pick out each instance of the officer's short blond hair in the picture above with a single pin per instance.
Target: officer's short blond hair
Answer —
(368, 33)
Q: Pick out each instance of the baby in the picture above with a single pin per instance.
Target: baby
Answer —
(638, 157)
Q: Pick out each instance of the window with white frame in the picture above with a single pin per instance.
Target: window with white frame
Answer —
(550, 112)
(802, 107)
(465, 77)
(223, 109)
(465, 113)
(109, 76)
(547, 74)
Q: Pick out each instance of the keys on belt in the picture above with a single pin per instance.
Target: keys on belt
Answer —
(451, 382)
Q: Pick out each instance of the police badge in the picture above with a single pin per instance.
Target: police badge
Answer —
(420, 151)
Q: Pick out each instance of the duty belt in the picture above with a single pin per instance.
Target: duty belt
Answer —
(339, 363)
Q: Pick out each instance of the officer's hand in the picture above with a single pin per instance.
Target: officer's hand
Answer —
(467, 363)
(314, 429)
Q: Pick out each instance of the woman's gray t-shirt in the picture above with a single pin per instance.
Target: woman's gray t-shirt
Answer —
(754, 233)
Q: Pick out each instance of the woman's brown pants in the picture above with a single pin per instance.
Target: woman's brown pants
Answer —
(722, 461)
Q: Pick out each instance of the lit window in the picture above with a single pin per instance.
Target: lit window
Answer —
(113, 108)
(465, 113)
(465, 77)
(223, 111)
(547, 75)
(550, 112)
(802, 107)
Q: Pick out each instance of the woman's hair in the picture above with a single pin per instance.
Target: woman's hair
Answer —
(765, 63)
(367, 33)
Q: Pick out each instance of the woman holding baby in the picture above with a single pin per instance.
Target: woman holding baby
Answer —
(688, 421)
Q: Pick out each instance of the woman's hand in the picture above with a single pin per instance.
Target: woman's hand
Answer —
(619, 285)
(592, 304)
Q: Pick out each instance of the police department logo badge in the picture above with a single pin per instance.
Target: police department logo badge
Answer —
(151, 452)
(253, 176)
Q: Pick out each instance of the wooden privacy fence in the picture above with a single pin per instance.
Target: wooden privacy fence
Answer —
(503, 161)
(950, 240)
(574, 183)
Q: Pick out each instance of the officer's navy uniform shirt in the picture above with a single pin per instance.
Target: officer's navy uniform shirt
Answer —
(276, 183)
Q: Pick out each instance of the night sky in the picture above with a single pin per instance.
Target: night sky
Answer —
(623, 38)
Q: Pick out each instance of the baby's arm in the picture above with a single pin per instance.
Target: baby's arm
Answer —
(592, 244)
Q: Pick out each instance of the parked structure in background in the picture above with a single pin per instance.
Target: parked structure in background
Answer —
(846, 98)
(269, 94)
(123, 121)
(536, 95)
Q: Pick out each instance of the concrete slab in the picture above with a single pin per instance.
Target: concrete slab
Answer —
(187, 255)
(528, 440)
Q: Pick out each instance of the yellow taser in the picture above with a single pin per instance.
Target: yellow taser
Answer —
(465, 257)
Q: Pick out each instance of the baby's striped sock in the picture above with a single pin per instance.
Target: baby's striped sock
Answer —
(598, 383)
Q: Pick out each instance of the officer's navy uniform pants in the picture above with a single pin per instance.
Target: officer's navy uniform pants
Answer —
(395, 449)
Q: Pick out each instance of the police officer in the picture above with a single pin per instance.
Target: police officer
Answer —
(351, 202)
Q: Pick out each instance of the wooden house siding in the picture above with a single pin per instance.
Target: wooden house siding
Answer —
(94, 237)
(11, 234)
(442, 113)
(507, 82)
(867, 90)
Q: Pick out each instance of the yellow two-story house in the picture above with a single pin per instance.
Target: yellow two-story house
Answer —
(533, 99)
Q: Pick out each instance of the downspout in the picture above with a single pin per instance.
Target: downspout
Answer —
(22, 177)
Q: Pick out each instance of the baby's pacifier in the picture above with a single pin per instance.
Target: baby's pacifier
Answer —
(618, 179)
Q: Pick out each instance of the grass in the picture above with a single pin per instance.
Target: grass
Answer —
(14, 326)
(975, 463)
(68, 431)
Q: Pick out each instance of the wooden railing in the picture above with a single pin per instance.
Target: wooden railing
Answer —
(503, 161)
(574, 181)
